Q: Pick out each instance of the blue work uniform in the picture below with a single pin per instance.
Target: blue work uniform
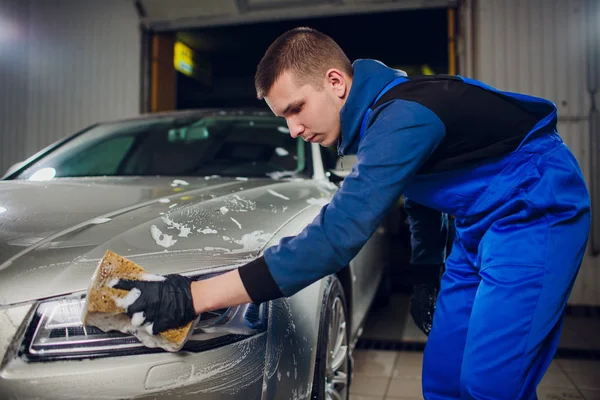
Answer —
(494, 161)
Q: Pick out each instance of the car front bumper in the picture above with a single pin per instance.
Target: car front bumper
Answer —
(234, 371)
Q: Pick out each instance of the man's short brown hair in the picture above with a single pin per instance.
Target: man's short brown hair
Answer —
(305, 52)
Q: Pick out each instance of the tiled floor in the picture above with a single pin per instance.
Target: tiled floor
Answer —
(382, 375)
(394, 323)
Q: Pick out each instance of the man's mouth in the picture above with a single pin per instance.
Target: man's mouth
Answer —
(311, 138)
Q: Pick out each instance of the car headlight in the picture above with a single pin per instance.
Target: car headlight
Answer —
(57, 333)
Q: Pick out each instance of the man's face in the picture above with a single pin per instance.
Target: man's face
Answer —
(311, 113)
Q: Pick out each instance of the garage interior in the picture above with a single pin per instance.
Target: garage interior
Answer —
(179, 56)
(410, 40)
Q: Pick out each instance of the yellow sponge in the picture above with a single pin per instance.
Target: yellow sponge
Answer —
(105, 305)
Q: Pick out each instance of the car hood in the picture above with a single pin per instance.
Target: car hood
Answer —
(53, 234)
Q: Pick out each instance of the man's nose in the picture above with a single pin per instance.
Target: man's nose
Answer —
(296, 129)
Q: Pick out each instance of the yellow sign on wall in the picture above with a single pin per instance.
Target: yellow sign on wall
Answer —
(188, 62)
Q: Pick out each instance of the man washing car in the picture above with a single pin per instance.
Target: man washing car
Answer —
(451, 145)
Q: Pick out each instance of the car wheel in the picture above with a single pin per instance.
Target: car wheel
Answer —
(332, 368)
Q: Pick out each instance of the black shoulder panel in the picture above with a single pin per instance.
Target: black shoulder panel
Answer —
(479, 123)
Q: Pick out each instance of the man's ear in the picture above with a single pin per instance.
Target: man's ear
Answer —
(337, 81)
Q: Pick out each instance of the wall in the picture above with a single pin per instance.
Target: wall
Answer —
(65, 65)
(540, 47)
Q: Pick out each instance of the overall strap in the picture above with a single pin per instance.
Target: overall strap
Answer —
(385, 89)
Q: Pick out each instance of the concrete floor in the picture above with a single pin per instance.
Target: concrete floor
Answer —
(381, 375)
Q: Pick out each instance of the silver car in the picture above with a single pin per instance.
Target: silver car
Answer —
(196, 193)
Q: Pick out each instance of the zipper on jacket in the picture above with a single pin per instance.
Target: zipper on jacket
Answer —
(339, 152)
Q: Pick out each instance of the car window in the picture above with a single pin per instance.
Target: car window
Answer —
(201, 146)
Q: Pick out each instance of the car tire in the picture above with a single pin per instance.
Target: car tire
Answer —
(333, 365)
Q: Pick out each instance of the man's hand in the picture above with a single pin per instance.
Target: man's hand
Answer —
(165, 304)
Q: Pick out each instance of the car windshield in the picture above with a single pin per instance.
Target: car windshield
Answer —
(253, 146)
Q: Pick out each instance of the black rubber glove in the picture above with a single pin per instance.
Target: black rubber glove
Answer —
(424, 297)
(167, 304)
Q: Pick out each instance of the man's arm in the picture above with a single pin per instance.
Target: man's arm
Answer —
(399, 141)
(222, 291)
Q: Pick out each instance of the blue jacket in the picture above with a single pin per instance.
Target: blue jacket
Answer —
(398, 140)
(393, 143)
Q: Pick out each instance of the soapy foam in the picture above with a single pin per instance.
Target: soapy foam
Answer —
(160, 238)
(274, 193)
(206, 231)
(224, 210)
(98, 221)
(152, 277)
(253, 241)
(124, 302)
(184, 231)
(237, 223)
(138, 319)
(178, 182)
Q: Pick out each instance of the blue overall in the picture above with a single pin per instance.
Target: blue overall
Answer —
(522, 222)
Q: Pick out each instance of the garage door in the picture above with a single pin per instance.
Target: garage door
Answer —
(160, 15)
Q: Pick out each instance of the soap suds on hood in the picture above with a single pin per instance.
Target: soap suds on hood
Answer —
(223, 210)
(274, 193)
(160, 238)
(207, 231)
(237, 223)
(98, 221)
(253, 241)
(184, 231)
(281, 174)
(317, 202)
(217, 249)
(177, 182)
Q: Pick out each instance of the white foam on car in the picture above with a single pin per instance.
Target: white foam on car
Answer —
(161, 239)
(98, 221)
(207, 231)
(280, 174)
(237, 223)
(317, 202)
(184, 231)
(252, 241)
(274, 193)
(217, 249)
(177, 182)
(223, 210)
